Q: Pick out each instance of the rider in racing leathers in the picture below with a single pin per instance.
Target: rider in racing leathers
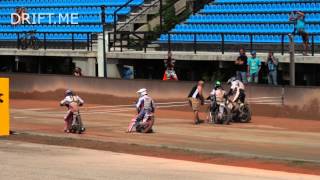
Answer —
(145, 105)
(72, 102)
(238, 90)
(218, 97)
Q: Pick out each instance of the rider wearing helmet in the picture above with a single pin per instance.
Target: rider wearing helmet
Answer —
(145, 104)
(72, 102)
(218, 97)
(237, 89)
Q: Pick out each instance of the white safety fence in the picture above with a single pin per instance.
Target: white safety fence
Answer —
(161, 105)
(123, 108)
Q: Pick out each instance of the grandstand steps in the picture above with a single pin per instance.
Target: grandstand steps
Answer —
(139, 17)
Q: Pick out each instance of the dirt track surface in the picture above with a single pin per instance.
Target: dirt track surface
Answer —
(35, 161)
(269, 143)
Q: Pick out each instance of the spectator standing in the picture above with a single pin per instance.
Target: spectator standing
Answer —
(299, 18)
(196, 100)
(169, 73)
(272, 65)
(241, 66)
(254, 66)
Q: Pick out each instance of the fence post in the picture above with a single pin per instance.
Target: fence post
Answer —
(45, 41)
(292, 61)
(145, 42)
(120, 42)
(222, 43)
(282, 44)
(251, 41)
(195, 43)
(109, 45)
(18, 40)
(282, 95)
(88, 42)
(312, 45)
(169, 41)
(72, 41)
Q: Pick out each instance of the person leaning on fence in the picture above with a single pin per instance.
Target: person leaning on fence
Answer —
(241, 66)
(299, 18)
(272, 65)
(196, 99)
(254, 66)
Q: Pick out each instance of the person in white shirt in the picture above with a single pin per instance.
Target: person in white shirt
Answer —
(237, 89)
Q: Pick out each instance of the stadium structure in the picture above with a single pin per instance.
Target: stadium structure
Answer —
(108, 35)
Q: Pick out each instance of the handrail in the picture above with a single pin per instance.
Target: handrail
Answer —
(115, 14)
(44, 39)
(235, 33)
(248, 22)
(256, 12)
(115, 19)
(222, 42)
(141, 13)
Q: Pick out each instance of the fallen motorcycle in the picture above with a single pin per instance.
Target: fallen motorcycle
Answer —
(240, 112)
(219, 114)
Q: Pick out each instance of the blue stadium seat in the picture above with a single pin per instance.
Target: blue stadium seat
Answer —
(266, 18)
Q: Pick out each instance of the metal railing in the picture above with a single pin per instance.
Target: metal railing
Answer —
(45, 42)
(142, 40)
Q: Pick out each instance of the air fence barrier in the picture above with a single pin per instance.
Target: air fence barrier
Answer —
(283, 101)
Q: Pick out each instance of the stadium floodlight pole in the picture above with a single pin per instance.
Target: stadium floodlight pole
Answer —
(292, 61)
(103, 19)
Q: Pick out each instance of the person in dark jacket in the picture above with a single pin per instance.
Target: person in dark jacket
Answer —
(241, 66)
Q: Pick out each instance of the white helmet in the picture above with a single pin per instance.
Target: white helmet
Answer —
(142, 92)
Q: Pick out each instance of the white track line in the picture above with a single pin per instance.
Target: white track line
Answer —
(130, 107)
(133, 105)
(265, 98)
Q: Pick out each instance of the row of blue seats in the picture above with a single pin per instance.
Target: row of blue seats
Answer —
(49, 36)
(229, 38)
(277, 7)
(78, 10)
(258, 1)
(207, 18)
(38, 3)
(59, 20)
(52, 28)
(262, 28)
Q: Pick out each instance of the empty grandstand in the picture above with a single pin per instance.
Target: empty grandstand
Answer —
(247, 21)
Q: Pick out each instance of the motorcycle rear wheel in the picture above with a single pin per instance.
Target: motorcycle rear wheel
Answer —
(245, 114)
(148, 127)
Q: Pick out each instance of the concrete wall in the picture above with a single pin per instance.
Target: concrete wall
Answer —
(299, 101)
(88, 65)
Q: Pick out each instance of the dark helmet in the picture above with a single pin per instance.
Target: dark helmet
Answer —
(68, 92)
